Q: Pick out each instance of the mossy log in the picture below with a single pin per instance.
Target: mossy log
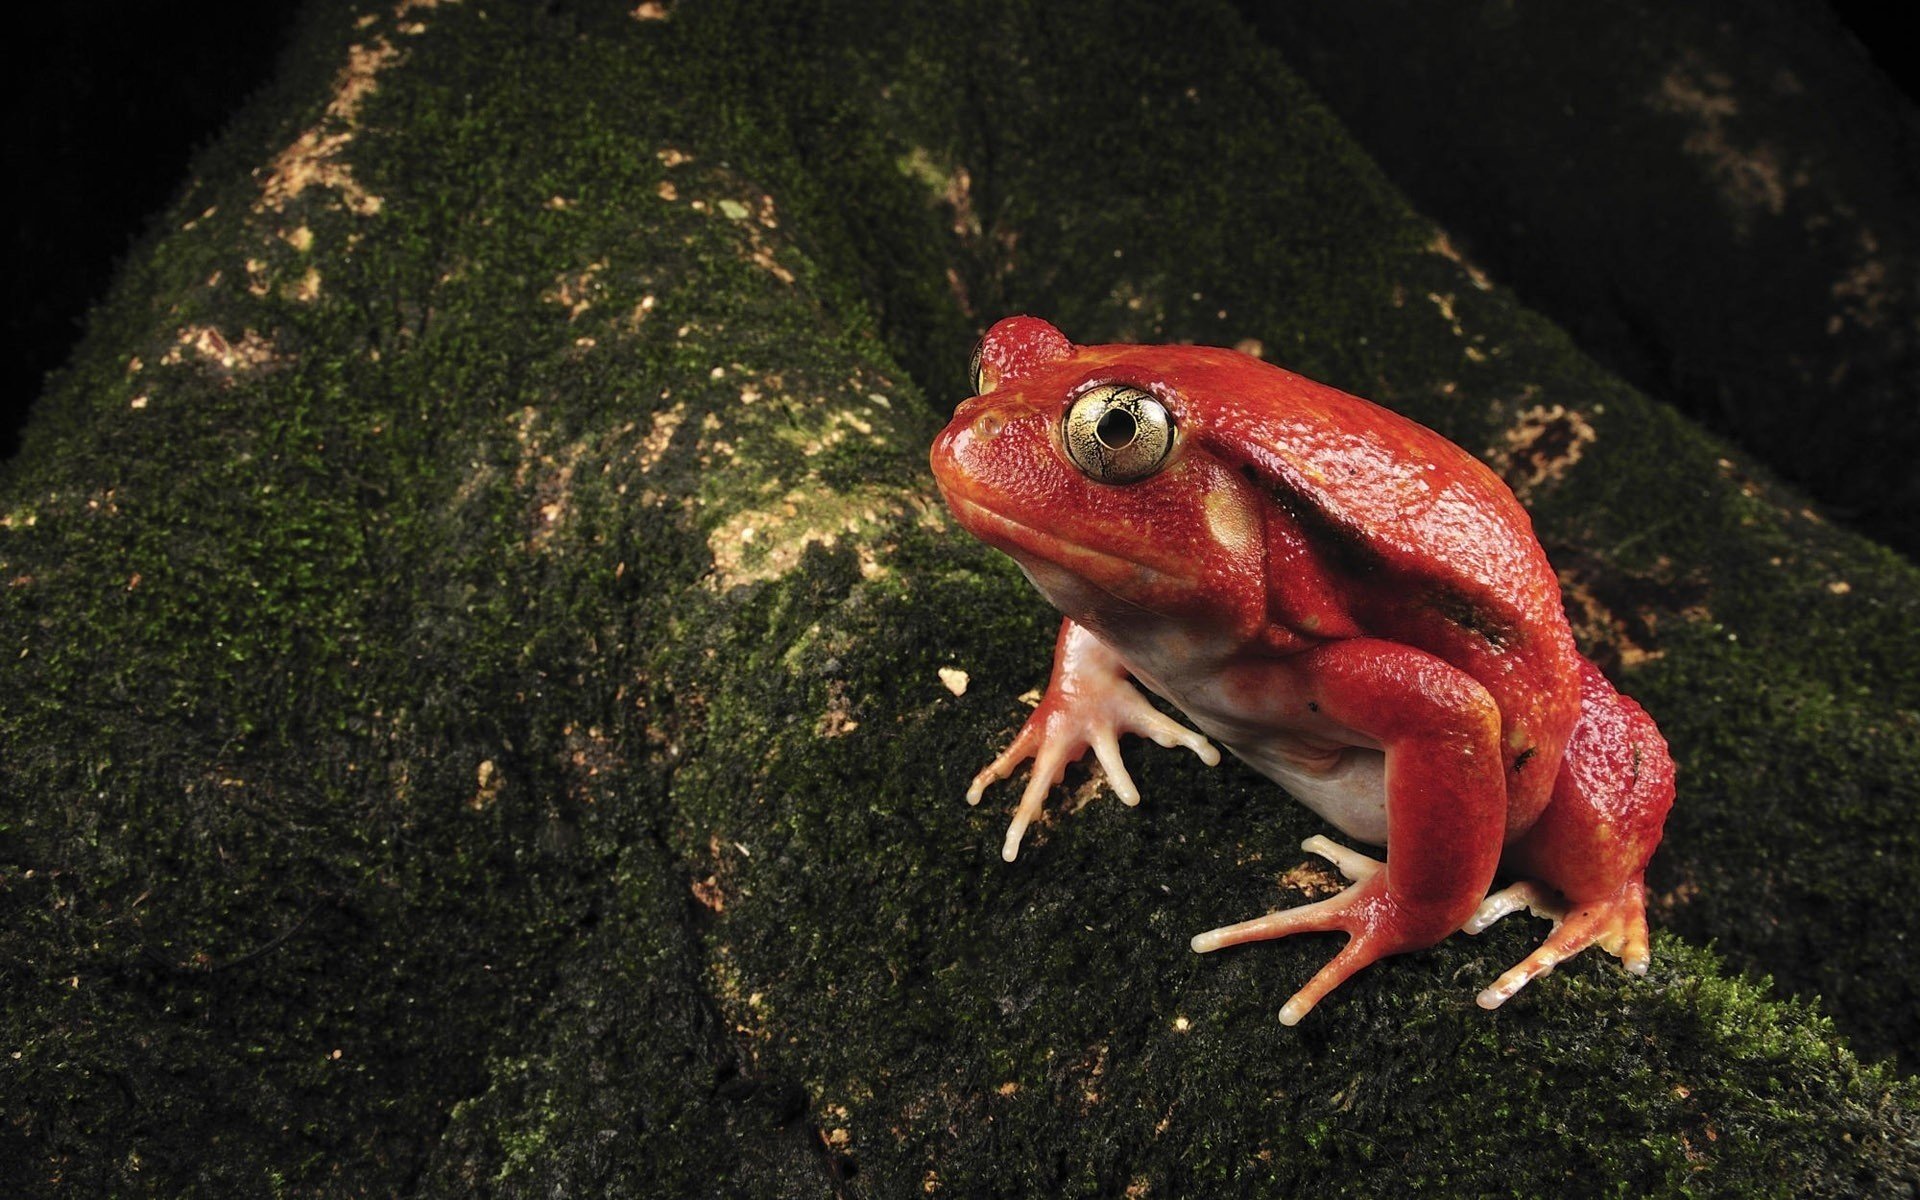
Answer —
(1721, 202)
(482, 706)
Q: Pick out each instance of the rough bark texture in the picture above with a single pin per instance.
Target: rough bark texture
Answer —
(1720, 199)
(473, 610)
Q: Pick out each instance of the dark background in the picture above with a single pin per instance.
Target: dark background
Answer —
(114, 96)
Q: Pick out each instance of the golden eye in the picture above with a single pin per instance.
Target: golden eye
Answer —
(1117, 434)
(973, 368)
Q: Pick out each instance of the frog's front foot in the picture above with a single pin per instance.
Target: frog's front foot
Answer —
(1617, 923)
(1377, 924)
(1093, 714)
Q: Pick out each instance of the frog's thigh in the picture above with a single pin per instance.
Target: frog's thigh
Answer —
(1445, 783)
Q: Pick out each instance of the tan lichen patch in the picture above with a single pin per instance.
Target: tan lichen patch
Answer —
(838, 720)
(652, 10)
(1595, 626)
(1090, 1067)
(307, 288)
(574, 290)
(1617, 613)
(487, 782)
(707, 891)
(764, 544)
(1313, 878)
(1444, 247)
(1751, 178)
(232, 359)
(313, 160)
(1543, 444)
(659, 436)
(553, 494)
(1865, 293)
(951, 187)
(591, 754)
(763, 258)
(834, 428)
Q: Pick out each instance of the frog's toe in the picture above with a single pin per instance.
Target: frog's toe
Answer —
(1540, 900)
(1049, 768)
(1319, 917)
(1351, 863)
(1106, 748)
(1616, 923)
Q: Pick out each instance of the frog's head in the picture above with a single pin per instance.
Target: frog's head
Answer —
(1090, 466)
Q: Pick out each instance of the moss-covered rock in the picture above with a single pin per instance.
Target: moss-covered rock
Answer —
(1718, 202)
(474, 611)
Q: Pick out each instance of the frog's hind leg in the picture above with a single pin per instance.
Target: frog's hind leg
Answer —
(1583, 863)
(1616, 923)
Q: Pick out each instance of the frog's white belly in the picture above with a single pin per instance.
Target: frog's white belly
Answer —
(1185, 666)
(1349, 792)
(1352, 796)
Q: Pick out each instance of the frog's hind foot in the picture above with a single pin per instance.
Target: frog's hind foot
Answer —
(1616, 923)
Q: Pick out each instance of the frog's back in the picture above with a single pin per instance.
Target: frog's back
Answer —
(1430, 547)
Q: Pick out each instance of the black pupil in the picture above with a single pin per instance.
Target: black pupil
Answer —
(1116, 428)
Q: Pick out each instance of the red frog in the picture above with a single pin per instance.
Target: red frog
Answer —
(1353, 605)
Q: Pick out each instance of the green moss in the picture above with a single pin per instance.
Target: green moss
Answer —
(521, 764)
(1200, 193)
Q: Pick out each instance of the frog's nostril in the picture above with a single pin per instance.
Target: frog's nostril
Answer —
(987, 425)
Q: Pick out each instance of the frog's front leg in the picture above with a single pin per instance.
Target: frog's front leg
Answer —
(1446, 807)
(1089, 704)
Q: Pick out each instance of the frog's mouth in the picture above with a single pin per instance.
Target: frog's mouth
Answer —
(1125, 578)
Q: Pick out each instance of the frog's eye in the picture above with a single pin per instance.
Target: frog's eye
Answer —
(973, 368)
(1117, 434)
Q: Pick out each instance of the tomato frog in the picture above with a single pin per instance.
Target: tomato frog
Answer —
(1351, 604)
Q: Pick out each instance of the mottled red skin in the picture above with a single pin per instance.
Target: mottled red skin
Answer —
(1394, 582)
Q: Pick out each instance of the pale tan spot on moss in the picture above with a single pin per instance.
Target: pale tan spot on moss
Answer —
(767, 543)
(652, 10)
(313, 158)
(1750, 177)
(707, 892)
(838, 720)
(233, 358)
(954, 680)
(672, 156)
(1596, 625)
(659, 435)
(763, 258)
(666, 191)
(487, 783)
(1543, 444)
(299, 237)
(574, 290)
(1445, 248)
(307, 289)
(553, 494)
(640, 312)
